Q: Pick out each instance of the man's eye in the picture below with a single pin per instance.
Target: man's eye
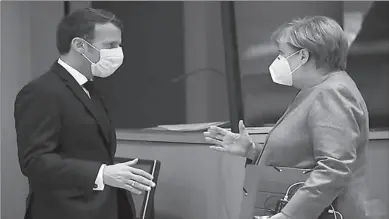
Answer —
(114, 45)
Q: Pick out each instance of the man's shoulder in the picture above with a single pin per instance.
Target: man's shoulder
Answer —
(50, 75)
(48, 82)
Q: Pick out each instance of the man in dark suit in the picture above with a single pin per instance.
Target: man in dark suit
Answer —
(66, 141)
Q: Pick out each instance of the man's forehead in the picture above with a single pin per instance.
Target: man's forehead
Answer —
(107, 33)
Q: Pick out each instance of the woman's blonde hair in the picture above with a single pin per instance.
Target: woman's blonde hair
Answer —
(321, 36)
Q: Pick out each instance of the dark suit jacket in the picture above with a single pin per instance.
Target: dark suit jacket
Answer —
(326, 129)
(62, 141)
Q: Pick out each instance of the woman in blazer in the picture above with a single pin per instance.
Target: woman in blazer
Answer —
(326, 127)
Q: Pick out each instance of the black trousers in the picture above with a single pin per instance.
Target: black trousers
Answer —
(124, 207)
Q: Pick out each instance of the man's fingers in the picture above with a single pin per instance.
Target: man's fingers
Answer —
(143, 180)
(138, 186)
(141, 173)
(213, 141)
(219, 149)
(132, 189)
(131, 162)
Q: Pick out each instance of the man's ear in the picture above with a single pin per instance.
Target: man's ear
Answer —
(78, 45)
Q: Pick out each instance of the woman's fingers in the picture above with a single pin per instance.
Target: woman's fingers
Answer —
(214, 135)
(213, 141)
(219, 130)
(219, 149)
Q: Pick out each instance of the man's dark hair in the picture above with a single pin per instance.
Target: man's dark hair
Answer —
(81, 23)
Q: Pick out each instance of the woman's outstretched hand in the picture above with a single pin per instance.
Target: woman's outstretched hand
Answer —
(226, 141)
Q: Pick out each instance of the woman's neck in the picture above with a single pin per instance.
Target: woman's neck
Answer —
(314, 78)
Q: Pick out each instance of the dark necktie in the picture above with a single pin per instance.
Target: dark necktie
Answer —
(90, 87)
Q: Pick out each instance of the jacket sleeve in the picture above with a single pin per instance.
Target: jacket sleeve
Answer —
(38, 126)
(334, 129)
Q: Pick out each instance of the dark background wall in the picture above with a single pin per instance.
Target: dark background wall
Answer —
(140, 94)
(370, 67)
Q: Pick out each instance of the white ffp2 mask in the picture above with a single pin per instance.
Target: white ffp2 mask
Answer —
(280, 70)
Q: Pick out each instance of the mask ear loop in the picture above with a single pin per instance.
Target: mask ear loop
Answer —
(93, 48)
(87, 58)
(291, 56)
(91, 45)
(296, 69)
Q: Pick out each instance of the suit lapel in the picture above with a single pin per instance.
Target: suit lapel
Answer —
(78, 92)
(111, 131)
(278, 122)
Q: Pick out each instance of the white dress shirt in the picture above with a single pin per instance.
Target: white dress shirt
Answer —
(81, 80)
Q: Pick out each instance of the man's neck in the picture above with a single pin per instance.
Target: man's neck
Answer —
(79, 66)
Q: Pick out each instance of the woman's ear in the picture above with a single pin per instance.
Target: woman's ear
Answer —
(304, 55)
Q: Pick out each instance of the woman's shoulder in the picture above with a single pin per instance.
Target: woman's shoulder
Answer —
(341, 89)
(339, 83)
(337, 80)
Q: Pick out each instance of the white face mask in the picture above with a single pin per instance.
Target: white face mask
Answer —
(280, 70)
(110, 61)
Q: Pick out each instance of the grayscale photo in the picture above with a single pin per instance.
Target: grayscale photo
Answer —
(194, 109)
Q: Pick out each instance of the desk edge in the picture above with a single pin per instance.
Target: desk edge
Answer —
(124, 135)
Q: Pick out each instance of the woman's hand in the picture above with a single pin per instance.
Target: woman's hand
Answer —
(226, 141)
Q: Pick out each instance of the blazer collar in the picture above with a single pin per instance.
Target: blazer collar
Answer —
(80, 78)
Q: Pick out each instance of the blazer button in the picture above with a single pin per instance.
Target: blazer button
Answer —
(95, 186)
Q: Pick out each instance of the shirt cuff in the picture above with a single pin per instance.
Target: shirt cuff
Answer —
(99, 182)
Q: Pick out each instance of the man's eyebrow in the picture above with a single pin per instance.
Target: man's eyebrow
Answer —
(112, 41)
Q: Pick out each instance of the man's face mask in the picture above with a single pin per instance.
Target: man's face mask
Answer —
(280, 70)
(110, 61)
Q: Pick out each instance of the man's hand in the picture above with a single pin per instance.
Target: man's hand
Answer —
(123, 175)
(226, 141)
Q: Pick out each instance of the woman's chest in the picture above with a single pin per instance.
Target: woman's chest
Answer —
(289, 144)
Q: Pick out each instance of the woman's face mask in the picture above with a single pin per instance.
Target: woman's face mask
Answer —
(110, 61)
(280, 70)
